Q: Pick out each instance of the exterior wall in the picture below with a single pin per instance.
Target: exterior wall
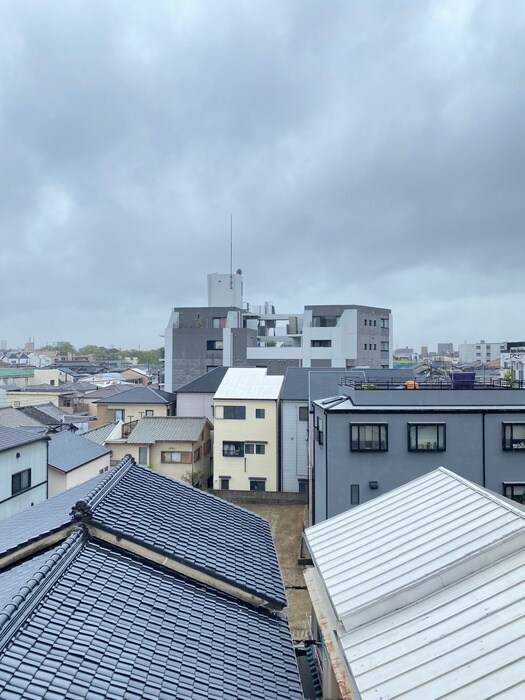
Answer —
(18, 399)
(50, 376)
(479, 352)
(32, 456)
(473, 450)
(133, 411)
(58, 481)
(294, 446)
(240, 470)
(195, 405)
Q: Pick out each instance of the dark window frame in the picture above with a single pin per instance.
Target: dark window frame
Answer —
(238, 448)
(260, 413)
(358, 440)
(354, 495)
(439, 445)
(235, 412)
(20, 482)
(303, 413)
(509, 443)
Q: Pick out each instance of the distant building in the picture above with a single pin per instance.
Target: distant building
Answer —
(482, 352)
(199, 339)
(513, 360)
(445, 349)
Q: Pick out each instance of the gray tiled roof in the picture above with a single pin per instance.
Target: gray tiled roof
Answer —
(98, 621)
(68, 451)
(116, 627)
(13, 418)
(100, 434)
(140, 394)
(207, 384)
(176, 429)
(13, 437)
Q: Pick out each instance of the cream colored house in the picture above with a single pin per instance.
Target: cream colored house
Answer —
(246, 449)
(72, 460)
(134, 404)
(174, 446)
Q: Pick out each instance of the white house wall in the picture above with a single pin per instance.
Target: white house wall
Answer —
(195, 405)
(32, 456)
(294, 446)
(58, 481)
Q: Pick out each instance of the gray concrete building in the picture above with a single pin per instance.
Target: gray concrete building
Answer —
(368, 441)
(198, 339)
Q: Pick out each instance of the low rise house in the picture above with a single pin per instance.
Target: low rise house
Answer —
(132, 593)
(13, 418)
(73, 460)
(196, 398)
(23, 470)
(174, 446)
(420, 594)
(246, 454)
(134, 404)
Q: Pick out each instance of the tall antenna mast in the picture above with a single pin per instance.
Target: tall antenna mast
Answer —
(231, 251)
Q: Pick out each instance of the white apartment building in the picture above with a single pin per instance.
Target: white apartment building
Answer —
(479, 352)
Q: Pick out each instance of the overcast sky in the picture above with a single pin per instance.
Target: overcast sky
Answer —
(370, 153)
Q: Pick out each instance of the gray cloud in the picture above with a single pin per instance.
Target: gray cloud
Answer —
(370, 153)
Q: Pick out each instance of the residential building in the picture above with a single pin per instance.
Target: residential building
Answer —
(421, 594)
(199, 339)
(13, 418)
(23, 470)
(196, 398)
(445, 349)
(370, 440)
(73, 460)
(176, 447)
(134, 404)
(482, 352)
(301, 386)
(132, 593)
(246, 445)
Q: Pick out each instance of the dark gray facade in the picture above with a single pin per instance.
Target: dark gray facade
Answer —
(469, 428)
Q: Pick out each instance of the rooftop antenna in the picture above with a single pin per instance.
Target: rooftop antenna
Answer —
(231, 251)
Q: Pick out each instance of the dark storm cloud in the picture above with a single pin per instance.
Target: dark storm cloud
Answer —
(370, 153)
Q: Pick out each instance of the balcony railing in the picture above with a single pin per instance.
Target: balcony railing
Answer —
(427, 383)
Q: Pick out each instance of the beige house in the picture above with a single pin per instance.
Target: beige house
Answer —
(134, 404)
(72, 460)
(176, 447)
(246, 449)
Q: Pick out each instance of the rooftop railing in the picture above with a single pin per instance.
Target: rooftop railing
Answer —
(434, 383)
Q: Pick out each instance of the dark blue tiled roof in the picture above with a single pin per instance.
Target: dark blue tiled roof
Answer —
(212, 534)
(114, 626)
(16, 576)
(45, 517)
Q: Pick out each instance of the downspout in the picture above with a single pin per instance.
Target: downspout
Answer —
(325, 442)
(484, 447)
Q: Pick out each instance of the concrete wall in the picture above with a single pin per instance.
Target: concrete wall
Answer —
(33, 457)
(473, 450)
(195, 405)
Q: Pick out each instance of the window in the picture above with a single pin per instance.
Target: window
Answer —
(303, 412)
(321, 343)
(354, 494)
(207, 447)
(233, 449)
(120, 414)
(324, 321)
(375, 346)
(514, 436)
(234, 412)
(515, 491)
(197, 454)
(375, 322)
(257, 485)
(218, 322)
(366, 346)
(369, 437)
(214, 345)
(385, 346)
(224, 483)
(143, 455)
(257, 448)
(303, 485)
(176, 457)
(319, 430)
(366, 322)
(384, 323)
(21, 481)
(260, 412)
(149, 413)
(426, 436)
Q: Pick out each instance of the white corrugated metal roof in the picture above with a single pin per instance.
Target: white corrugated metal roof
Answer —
(427, 584)
(249, 383)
